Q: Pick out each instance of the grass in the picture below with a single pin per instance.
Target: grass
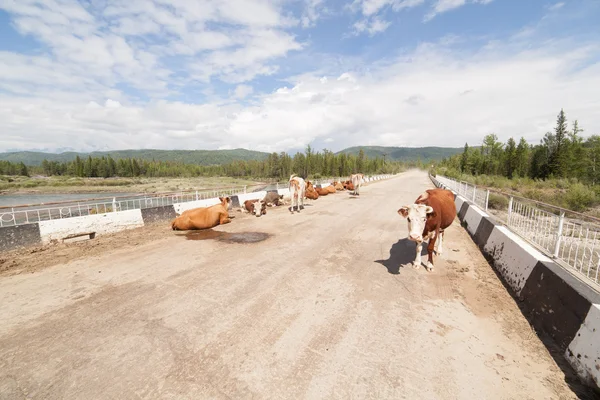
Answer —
(566, 193)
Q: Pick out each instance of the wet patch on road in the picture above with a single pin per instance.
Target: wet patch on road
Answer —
(227, 237)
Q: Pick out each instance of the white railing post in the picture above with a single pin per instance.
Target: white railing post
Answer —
(245, 188)
(114, 204)
(510, 205)
(561, 221)
(196, 195)
(474, 193)
(487, 199)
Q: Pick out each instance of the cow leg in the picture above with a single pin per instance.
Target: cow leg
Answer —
(417, 262)
(438, 247)
(224, 219)
(292, 202)
(430, 248)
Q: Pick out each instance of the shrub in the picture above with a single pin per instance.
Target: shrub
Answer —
(497, 202)
(579, 197)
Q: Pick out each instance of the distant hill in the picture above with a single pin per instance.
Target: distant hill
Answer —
(405, 153)
(216, 157)
(200, 157)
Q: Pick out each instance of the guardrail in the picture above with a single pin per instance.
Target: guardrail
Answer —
(32, 213)
(562, 234)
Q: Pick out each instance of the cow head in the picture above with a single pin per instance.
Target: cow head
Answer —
(416, 215)
(225, 202)
(258, 208)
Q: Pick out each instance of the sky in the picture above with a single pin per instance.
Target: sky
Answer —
(279, 75)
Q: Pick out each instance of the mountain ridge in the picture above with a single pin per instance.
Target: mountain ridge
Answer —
(216, 157)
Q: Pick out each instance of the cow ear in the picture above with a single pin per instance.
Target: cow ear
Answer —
(403, 211)
(430, 212)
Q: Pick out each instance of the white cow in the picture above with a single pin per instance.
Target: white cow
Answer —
(356, 181)
(297, 190)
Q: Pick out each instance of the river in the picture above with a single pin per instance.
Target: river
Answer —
(13, 200)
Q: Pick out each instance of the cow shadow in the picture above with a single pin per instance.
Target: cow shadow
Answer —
(402, 253)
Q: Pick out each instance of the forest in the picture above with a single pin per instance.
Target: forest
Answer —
(562, 169)
(277, 166)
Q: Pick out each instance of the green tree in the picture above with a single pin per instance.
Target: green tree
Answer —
(522, 158)
(576, 154)
(510, 158)
(464, 159)
(360, 163)
(558, 157)
(23, 171)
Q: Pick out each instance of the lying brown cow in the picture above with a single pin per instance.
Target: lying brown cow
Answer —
(338, 186)
(433, 212)
(310, 192)
(322, 191)
(348, 185)
(203, 217)
(256, 207)
(331, 189)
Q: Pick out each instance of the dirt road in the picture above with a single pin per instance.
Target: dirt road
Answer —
(319, 305)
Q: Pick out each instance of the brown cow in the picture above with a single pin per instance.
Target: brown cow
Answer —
(356, 182)
(256, 207)
(322, 191)
(203, 217)
(331, 189)
(433, 212)
(348, 185)
(310, 192)
(338, 186)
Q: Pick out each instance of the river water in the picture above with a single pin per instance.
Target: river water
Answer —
(12, 200)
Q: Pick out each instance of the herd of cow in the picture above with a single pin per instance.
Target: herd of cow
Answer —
(209, 217)
(432, 212)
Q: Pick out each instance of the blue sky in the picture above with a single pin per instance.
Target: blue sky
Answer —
(278, 75)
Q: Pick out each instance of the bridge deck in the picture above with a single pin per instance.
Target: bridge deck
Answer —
(320, 309)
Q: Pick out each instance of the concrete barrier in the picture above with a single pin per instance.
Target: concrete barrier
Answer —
(189, 205)
(157, 214)
(58, 229)
(14, 237)
(554, 300)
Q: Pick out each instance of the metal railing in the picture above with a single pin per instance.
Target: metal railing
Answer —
(567, 236)
(32, 213)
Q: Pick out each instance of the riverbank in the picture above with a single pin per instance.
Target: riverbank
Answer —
(69, 185)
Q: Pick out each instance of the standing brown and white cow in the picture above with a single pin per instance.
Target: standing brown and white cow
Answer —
(433, 212)
(356, 182)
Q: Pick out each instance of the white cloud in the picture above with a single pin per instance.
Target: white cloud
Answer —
(372, 27)
(242, 91)
(372, 7)
(313, 10)
(125, 41)
(442, 6)
(373, 21)
(556, 6)
(432, 96)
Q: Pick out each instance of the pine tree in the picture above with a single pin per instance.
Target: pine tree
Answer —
(464, 159)
(510, 158)
(522, 154)
(558, 158)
